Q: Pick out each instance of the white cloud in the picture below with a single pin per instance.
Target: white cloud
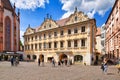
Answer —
(21, 36)
(89, 7)
(29, 4)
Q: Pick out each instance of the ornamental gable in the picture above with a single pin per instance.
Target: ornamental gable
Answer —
(29, 31)
(77, 17)
(48, 24)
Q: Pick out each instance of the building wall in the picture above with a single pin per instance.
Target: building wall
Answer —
(9, 14)
(86, 52)
(6, 12)
(113, 32)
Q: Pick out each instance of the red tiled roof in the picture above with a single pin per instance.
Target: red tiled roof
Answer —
(7, 4)
(98, 32)
(62, 21)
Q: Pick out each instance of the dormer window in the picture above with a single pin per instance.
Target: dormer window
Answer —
(75, 18)
(44, 27)
(50, 25)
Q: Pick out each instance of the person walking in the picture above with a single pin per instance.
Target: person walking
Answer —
(38, 61)
(53, 62)
(12, 61)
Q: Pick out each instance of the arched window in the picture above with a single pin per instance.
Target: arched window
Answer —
(34, 57)
(7, 34)
(28, 56)
(78, 58)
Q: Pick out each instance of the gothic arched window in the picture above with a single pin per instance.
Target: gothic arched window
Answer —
(7, 34)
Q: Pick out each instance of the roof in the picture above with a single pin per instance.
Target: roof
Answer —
(111, 11)
(98, 31)
(62, 21)
(7, 4)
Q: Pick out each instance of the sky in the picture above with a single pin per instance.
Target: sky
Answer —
(33, 12)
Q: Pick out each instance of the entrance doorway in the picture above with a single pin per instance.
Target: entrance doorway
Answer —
(62, 56)
(78, 58)
(41, 56)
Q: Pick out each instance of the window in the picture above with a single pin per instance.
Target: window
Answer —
(49, 45)
(75, 18)
(75, 30)
(69, 31)
(82, 42)
(44, 45)
(102, 35)
(83, 29)
(31, 46)
(49, 35)
(55, 44)
(44, 27)
(50, 25)
(35, 37)
(40, 45)
(55, 34)
(35, 46)
(32, 38)
(62, 33)
(44, 36)
(61, 44)
(75, 43)
(69, 43)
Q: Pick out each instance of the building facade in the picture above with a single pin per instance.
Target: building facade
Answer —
(71, 38)
(103, 36)
(98, 46)
(9, 27)
(113, 32)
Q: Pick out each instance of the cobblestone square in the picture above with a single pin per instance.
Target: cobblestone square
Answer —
(31, 71)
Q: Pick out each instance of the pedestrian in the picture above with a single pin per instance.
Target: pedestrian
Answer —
(104, 66)
(59, 63)
(53, 62)
(38, 61)
(12, 61)
(16, 61)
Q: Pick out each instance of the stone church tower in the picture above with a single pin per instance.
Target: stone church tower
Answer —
(9, 27)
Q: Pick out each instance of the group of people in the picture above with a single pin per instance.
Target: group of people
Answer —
(65, 62)
(14, 61)
(104, 66)
(40, 61)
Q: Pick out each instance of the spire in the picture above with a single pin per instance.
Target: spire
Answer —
(47, 16)
(75, 9)
(14, 7)
(50, 16)
(28, 25)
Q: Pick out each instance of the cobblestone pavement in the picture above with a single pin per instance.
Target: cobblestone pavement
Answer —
(31, 71)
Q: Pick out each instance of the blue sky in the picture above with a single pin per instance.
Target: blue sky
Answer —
(33, 11)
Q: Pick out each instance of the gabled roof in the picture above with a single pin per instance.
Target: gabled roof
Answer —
(62, 21)
(7, 4)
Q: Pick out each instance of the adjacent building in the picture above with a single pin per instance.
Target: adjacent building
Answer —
(113, 32)
(98, 51)
(9, 27)
(103, 36)
(72, 38)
